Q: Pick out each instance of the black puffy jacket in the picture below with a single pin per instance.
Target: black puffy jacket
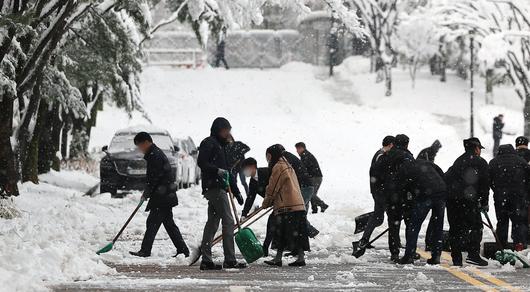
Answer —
(388, 171)
(509, 172)
(160, 185)
(468, 179)
(524, 153)
(424, 179)
(212, 157)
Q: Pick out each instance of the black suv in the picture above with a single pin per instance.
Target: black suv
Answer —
(123, 167)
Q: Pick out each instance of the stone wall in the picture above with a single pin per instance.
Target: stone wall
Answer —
(252, 48)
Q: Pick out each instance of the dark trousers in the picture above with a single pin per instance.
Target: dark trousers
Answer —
(156, 218)
(271, 229)
(395, 213)
(220, 59)
(218, 210)
(307, 194)
(377, 218)
(511, 207)
(315, 200)
(496, 144)
(465, 227)
(428, 233)
(419, 212)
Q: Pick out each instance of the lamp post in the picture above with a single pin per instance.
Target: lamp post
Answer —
(471, 83)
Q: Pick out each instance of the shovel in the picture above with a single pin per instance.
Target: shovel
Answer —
(361, 222)
(359, 252)
(109, 246)
(504, 256)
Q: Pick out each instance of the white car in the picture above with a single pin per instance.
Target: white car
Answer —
(187, 173)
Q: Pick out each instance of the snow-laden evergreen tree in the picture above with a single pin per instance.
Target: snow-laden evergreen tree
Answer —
(40, 83)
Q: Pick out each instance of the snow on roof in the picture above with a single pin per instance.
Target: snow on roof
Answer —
(151, 129)
(316, 15)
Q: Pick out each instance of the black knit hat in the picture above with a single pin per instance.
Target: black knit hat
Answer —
(521, 140)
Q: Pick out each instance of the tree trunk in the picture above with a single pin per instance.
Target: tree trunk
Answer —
(443, 71)
(388, 79)
(8, 171)
(64, 135)
(30, 165)
(526, 114)
(49, 144)
(489, 86)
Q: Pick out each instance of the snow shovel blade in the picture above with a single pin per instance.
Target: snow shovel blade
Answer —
(359, 253)
(361, 221)
(105, 249)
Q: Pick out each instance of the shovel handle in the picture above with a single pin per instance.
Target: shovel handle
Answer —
(142, 200)
(490, 226)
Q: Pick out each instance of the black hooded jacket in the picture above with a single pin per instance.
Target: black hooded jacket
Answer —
(212, 157)
(509, 172)
(430, 152)
(468, 179)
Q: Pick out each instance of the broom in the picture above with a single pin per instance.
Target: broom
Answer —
(109, 246)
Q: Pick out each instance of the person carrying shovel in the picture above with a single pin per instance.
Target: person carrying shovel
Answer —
(214, 168)
(161, 192)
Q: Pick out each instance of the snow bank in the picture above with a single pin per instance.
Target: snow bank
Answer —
(50, 242)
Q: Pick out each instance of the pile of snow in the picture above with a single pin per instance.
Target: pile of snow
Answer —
(52, 240)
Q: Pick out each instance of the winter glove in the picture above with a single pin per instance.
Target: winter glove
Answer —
(239, 199)
(222, 172)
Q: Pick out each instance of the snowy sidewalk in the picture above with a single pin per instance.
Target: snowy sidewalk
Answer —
(377, 274)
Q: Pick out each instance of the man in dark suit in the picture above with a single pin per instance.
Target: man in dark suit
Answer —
(160, 190)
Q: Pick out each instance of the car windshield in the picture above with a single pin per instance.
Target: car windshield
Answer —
(124, 143)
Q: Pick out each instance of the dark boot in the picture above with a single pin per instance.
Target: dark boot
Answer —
(208, 266)
(140, 253)
(297, 264)
(457, 258)
(323, 208)
(394, 258)
(234, 265)
(476, 259)
(273, 263)
(406, 260)
(435, 260)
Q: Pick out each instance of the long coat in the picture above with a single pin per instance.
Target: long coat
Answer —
(283, 191)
